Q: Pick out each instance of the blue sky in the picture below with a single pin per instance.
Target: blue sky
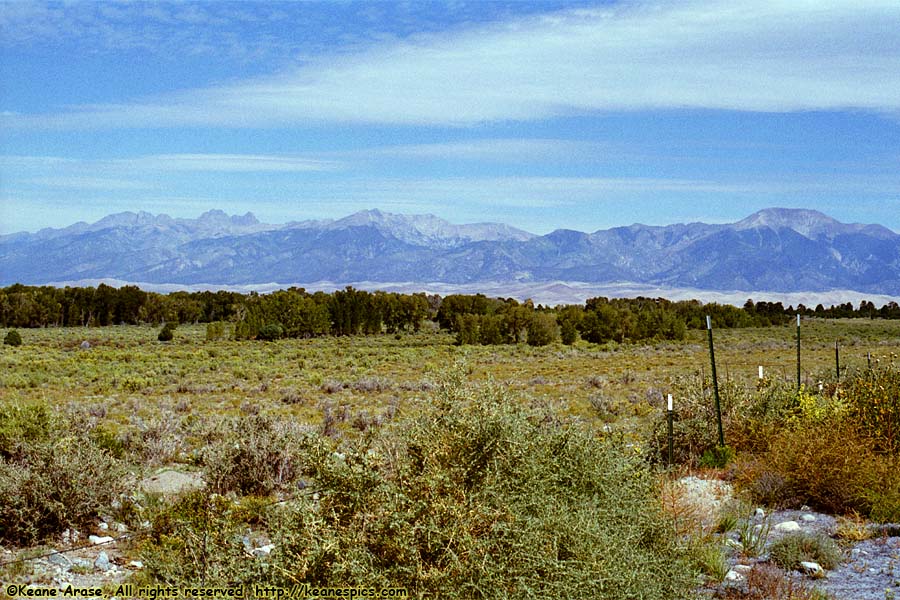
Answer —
(544, 115)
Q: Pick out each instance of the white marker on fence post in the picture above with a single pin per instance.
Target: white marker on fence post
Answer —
(760, 372)
(669, 419)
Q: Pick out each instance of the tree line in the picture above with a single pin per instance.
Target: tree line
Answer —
(473, 318)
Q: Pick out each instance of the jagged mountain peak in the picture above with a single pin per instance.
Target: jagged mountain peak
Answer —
(130, 219)
(220, 217)
(427, 229)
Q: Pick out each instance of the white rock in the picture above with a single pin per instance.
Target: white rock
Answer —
(263, 550)
(812, 568)
(102, 562)
(759, 513)
(136, 564)
(104, 526)
(733, 575)
(60, 560)
(121, 527)
(97, 539)
(808, 518)
(788, 527)
(804, 508)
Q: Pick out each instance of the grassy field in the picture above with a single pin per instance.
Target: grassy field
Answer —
(127, 372)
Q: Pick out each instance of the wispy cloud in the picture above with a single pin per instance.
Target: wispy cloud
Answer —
(759, 55)
(494, 149)
(86, 183)
(238, 163)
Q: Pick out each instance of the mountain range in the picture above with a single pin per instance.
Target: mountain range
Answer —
(774, 250)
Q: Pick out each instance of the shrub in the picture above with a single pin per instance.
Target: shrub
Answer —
(794, 548)
(198, 540)
(255, 455)
(53, 485)
(215, 331)
(477, 497)
(167, 333)
(872, 398)
(826, 465)
(768, 582)
(12, 338)
(884, 498)
(270, 332)
(717, 458)
(695, 427)
(24, 424)
(481, 498)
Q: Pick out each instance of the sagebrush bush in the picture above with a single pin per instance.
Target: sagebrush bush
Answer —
(477, 497)
(695, 427)
(255, 455)
(53, 484)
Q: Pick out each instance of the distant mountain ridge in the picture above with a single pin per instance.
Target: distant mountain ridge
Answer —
(783, 250)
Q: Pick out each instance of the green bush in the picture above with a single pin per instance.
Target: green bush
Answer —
(55, 484)
(794, 548)
(270, 332)
(483, 498)
(872, 398)
(167, 333)
(23, 424)
(198, 540)
(12, 338)
(717, 458)
(476, 497)
(215, 331)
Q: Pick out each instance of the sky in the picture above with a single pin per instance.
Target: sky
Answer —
(540, 114)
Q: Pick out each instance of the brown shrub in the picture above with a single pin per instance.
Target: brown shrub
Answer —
(826, 465)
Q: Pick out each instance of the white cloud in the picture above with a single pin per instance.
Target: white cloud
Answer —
(759, 55)
(238, 163)
(86, 183)
(241, 163)
(494, 149)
